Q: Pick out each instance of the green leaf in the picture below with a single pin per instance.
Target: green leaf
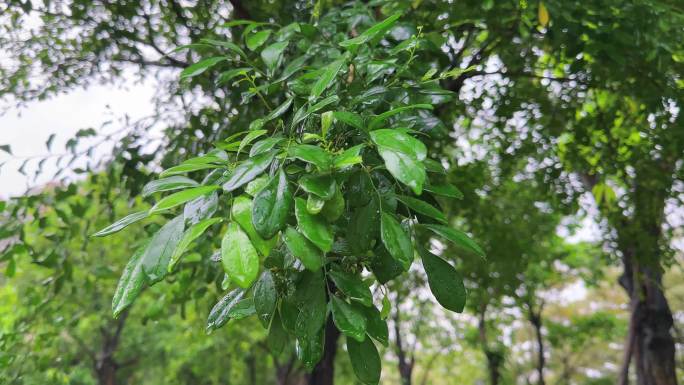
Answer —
(399, 141)
(277, 336)
(365, 360)
(350, 118)
(458, 238)
(194, 232)
(184, 168)
(122, 223)
(310, 349)
(312, 154)
(218, 316)
(377, 121)
(333, 208)
(264, 145)
(167, 184)
(445, 282)
(363, 227)
(201, 66)
(348, 319)
(130, 284)
(326, 123)
(181, 197)
(225, 44)
(395, 239)
(272, 206)
(256, 185)
(371, 32)
(384, 266)
(376, 327)
(445, 189)
(248, 170)
(249, 138)
(265, 298)
(323, 186)
(352, 286)
(256, 40)
(273, 54)
(242, 214)
(302, 248)
(227, 76)
(349, 157)
(280, 110)
(238, 256)
(242, 309)
(155, 260)
(200, 208)
(405, 168)
(422, 207)
(326, 79)
(302, 114)
(313, 227)
(314, 204)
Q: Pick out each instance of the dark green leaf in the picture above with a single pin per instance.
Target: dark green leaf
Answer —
(365, 360)
(122, 223)
(348, 319)
(265, 298)
(395, 239)
(352, 286)
(404, 168)
(372, 32)
(458, 238)
(384, 267)
(444, 189)
(422, 207)
(242, 309)
(334, 208)
(326, 78)
(249, 138)
(155, 260)
(323, 186)
(445, 282)
(377, 121)
(376, 327)
(363, 227)
(130, 284)
(350, 118)
(200, 208)
(248, 170)
(272, 206)
(218, 315)
(312, 154)
(201, 66)
(167, 184)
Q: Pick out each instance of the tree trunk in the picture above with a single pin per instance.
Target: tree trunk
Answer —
(324, 372)
(654, 347)
(494, 356)
(106, 372)
(536, 321)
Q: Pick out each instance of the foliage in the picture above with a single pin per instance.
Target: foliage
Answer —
(330, 158)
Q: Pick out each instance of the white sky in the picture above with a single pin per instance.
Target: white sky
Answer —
(27, 129)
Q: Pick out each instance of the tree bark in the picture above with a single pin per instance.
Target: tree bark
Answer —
(654, 348)
(536, 321)
(494, 356)
(324, 372)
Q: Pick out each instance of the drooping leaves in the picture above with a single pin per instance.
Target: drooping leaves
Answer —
(445, 282)
(302, 248)
(155, 259)
(219, 314)
(365, 360)
(248, 170)
(130, 284)
(238, 256)
(265, 297)
(122, 223)
(395, 239)
(271, 206)
(313, 227)
(348, 320)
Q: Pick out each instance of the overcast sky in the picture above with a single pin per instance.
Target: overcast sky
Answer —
(27, 129)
